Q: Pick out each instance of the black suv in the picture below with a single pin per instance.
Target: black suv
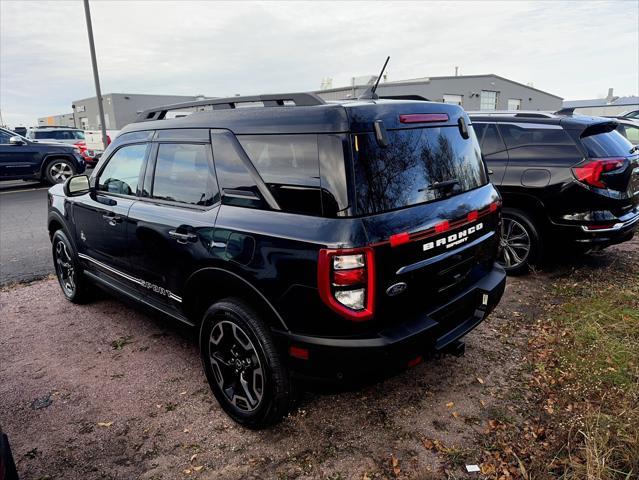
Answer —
(23, 159)
(571, 180)
(304, 239)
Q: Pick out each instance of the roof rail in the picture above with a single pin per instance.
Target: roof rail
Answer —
(513, 113)
(270, 100)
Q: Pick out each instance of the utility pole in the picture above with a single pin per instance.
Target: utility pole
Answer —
(96, 78)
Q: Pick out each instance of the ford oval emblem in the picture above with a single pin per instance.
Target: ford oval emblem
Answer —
(396, 289)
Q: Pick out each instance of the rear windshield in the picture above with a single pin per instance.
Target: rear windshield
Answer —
(405, 172)
(607, 144)
(59, 135)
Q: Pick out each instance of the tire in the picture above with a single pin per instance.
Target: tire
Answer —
(521, 246)
(75, 286)
(58, 170)
(252, 385)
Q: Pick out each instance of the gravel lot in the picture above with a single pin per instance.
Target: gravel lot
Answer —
(107, 391)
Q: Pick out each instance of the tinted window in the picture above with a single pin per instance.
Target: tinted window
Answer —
(606, 144)
(492, 142)
(518, 135)
(401, 174)
(333, 174)
(184, 173)
(121, 173)
(4, 137)
(289, 166)
(237, 184)
(479, 130)
(59, 134)
(630, 132)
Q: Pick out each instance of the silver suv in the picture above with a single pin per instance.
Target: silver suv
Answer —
(67, 135)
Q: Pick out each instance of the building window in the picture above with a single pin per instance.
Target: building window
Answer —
(454, 99)
(488, 100)
(514, 104)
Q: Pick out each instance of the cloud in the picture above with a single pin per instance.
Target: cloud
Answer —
(572, 49)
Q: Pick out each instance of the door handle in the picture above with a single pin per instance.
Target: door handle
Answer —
(112, 219)
(182, 237)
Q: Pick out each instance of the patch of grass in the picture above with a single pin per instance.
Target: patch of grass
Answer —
(169, 407)
(121, 342)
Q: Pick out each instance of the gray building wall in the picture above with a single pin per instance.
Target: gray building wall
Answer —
(120, 109)
(469, 87)
(64, 120)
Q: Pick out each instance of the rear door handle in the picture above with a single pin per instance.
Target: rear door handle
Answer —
(182, 237)
(112, 219)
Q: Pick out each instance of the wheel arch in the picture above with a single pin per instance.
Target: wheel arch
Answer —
(528, 204)
(210, 284)
(47, 159)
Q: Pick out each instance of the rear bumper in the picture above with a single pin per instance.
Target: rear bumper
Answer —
(394, 347)
(611, 232)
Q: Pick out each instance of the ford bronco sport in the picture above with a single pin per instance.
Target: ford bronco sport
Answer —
(304, 239)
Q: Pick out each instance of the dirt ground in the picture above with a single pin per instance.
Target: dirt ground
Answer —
(105, 391)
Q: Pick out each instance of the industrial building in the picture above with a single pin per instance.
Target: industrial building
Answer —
(120, 109)
(472, 92)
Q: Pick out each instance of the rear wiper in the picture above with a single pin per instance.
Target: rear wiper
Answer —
(445, 185)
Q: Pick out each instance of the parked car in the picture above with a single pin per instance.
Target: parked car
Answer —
(633, 114)
(24, 159)
(22, 131)
(302, 239)
(564, 180)
(629, 129)
(68, 135)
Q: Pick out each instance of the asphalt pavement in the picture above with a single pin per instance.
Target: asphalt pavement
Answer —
(25, 250)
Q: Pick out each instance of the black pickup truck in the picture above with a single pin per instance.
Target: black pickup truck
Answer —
(303, 239)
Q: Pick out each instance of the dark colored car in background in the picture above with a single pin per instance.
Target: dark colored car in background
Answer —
(565, 180)
(24, 159)
(303, 239)
(69, 135)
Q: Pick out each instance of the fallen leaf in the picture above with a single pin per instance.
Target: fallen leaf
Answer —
(183, 393)
(480, 380)
(187, 471)
(198, 468)
(105, 424)
(366, 477)
(455, 414)
(193, 457)
(186, 430)
(450, 404)
(428, 444)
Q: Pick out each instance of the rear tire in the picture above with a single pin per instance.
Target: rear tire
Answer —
(75, 286)
(520, 246)
(242, 365)
(58, 170)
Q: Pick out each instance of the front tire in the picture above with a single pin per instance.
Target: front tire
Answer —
(520, 245)
(242, 366)
(74, 285)
(59, 170)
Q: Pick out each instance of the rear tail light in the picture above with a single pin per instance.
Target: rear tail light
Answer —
(590, 173)
(108, 140)
(346, 282)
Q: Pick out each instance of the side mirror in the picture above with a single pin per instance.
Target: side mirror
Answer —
(77, 185)
(15, 140)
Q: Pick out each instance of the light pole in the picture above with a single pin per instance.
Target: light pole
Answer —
(96, 78)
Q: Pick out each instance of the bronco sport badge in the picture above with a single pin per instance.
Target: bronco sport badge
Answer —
(454, 238)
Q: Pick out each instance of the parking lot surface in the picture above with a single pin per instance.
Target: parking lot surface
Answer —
(105, 391)
(25, 250)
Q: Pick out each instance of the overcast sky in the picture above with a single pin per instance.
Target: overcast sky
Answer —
(575, 49)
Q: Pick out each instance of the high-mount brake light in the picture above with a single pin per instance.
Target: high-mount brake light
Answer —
(590, 173)
(346, 282)
(423, 117)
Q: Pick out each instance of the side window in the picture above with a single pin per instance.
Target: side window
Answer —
(4, 137)
(479, 130)
(184, 173)
(289, 166)
(492, 142)
(519, 135)
(121, 173)
(237, 184)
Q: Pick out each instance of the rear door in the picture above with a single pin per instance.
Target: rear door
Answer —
(17, 160)
(172, 225)
(429, 212)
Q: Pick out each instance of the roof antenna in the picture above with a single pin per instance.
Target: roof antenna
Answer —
(369, 93)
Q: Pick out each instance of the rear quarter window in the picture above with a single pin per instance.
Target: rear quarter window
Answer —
(289, 166)
(606, 144)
